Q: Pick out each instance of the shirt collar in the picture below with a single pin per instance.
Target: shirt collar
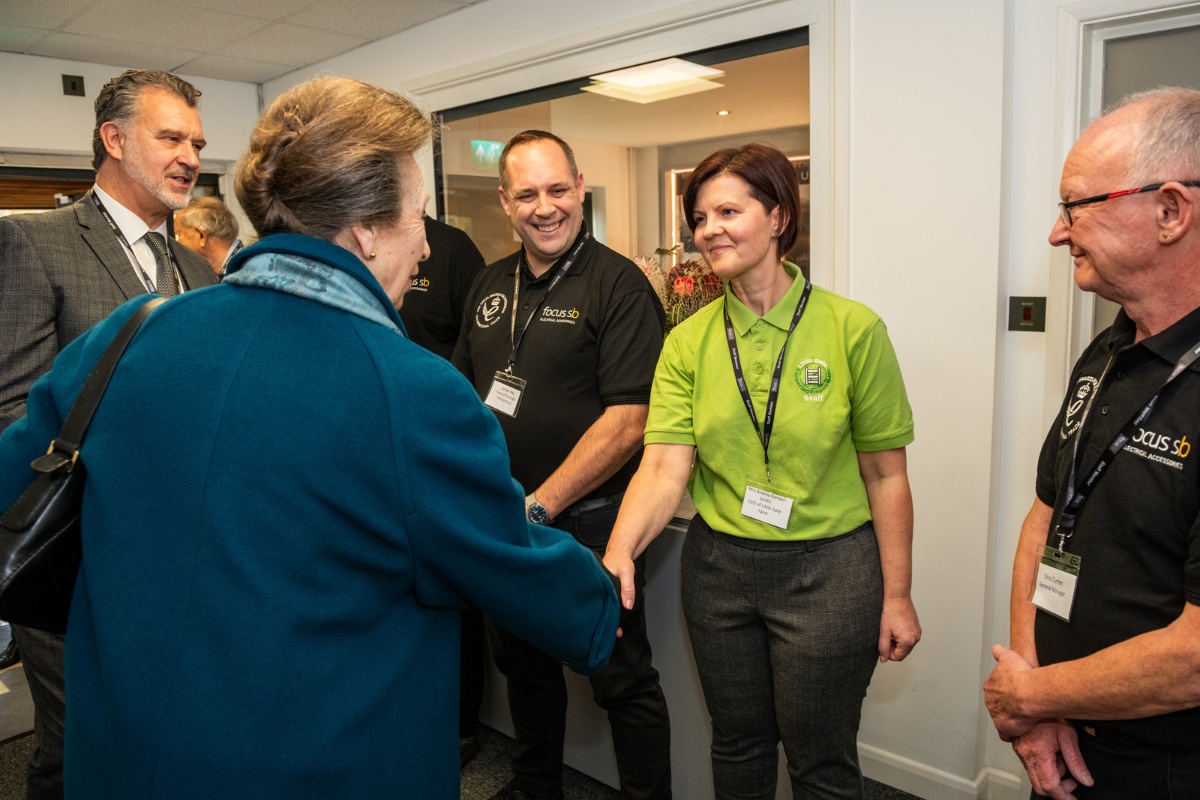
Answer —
(520, 260)
(1169, 345)
(780, 315)
(131, 225)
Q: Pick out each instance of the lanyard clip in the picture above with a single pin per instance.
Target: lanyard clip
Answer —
(1062, 539)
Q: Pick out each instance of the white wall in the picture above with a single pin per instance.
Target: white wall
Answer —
(925, 161)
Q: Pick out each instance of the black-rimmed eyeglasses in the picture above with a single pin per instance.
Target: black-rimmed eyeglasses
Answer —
(1064, 209)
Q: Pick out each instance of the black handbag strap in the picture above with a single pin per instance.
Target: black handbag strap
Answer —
(80, 417)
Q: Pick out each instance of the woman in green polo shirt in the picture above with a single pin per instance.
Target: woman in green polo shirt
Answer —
(782, 409)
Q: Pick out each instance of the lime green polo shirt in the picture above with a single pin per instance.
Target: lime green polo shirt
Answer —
(841, 392)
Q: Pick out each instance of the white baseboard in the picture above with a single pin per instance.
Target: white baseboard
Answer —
(930, 783)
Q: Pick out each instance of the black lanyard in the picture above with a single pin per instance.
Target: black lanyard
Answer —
(1078, 495)
(558, 276)
(764, 433)
(151, 285)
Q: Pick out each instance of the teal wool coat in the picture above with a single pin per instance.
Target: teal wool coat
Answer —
(286, 506)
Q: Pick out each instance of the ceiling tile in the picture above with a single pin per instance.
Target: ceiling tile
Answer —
(230, 68)
(96, 50)
(295, 45)
(162, 23)
(373, 19)
(15, 39)
(47, 14)
(262, 9)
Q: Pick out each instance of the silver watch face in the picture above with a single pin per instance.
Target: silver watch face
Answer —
(538, 514)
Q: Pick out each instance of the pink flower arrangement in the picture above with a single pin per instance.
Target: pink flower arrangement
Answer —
(692, 285)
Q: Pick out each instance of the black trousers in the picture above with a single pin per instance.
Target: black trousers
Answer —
(628, 689)
(471, 673)
(1122, 771)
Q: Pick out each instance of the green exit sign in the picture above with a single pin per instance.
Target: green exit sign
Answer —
(485, 153)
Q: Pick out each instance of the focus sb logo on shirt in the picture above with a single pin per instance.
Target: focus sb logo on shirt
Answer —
(568, 315)
(1160, 447)
(491, 310)
(420, 284)
(1079, 398)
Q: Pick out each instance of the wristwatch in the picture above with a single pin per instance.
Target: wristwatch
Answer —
(535, 512)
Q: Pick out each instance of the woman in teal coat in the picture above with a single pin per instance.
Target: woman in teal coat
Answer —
(288, 502)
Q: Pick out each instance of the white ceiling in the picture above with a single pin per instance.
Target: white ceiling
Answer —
(761, 93)
(238, 40)
(257, 40)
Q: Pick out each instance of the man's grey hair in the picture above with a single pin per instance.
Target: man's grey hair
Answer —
(209, 215)
(118, 101)
(1166, 140)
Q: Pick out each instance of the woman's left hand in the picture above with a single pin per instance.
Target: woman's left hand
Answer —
(899, 629)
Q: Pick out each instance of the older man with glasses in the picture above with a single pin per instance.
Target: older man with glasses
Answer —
(1100, 691)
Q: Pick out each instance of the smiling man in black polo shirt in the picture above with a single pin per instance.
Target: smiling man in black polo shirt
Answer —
(1100, 693)
(561, 340)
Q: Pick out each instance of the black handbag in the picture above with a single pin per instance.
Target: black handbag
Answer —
(40, 545)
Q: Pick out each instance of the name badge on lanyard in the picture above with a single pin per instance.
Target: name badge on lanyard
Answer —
(505, 394)
(766, 506)
(1054, 588)
(506, 390)
(760, 501)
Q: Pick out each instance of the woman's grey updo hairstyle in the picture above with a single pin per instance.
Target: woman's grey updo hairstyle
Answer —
(326, 155)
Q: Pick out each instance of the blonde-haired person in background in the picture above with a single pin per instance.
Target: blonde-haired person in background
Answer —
(207, 226)
(289, 502)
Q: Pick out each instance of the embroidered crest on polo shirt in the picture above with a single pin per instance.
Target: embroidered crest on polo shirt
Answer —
(419, 284)
(551, 314)
(1079, 398)
(813, 377)
(491, 310)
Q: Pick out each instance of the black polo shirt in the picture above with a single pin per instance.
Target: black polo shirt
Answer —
(592, 343)
(432, 310)
(1138, 534)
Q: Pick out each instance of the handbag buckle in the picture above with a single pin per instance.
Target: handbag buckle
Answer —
(54, 460)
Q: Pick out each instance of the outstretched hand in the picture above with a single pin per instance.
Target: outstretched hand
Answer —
(622, 567)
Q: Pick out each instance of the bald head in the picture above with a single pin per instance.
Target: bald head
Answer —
(1131, 207)
(1162, 127)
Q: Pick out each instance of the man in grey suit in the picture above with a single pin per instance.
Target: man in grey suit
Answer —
(63, 271)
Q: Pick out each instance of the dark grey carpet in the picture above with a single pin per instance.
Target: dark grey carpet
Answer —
(490, 771)
(482, 777)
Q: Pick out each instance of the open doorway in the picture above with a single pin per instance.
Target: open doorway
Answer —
(632, 151)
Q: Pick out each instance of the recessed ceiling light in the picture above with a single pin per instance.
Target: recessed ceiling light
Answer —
(660, 80)
(722, 113)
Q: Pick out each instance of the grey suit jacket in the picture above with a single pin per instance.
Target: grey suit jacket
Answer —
(61, 272)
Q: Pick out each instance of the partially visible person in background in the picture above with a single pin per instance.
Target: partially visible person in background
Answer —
(306, 500)
(63, 271)
(433, 308)
(781, 408)
(207, 226)
(432, 314)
